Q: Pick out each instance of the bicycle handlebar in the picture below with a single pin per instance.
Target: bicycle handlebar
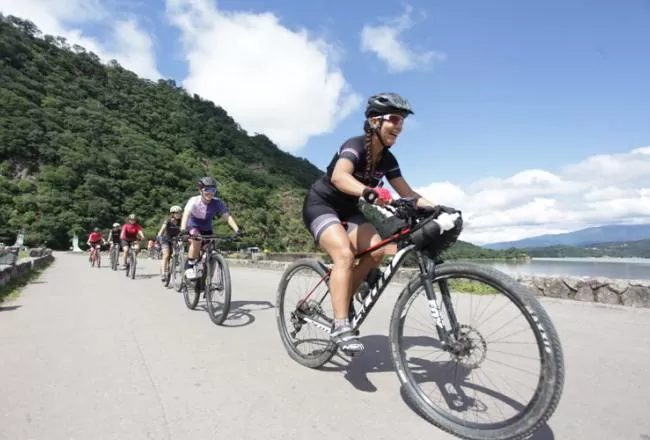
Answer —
(405, 208)
(209, 237)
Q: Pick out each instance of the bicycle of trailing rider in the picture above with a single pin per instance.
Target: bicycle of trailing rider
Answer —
(131, 261)
(211, 262)
(95, 255)
(115, 256)
(458, 340)
(176, 263)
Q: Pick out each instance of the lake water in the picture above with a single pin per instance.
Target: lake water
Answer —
(623, 268)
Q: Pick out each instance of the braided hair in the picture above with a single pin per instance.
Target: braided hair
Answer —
(367, 144)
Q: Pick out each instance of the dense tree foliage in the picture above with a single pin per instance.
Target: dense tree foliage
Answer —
(84, 144)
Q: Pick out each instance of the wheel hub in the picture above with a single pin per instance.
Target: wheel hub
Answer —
(470, 349)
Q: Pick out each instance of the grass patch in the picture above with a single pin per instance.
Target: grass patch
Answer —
(471, 286)
(12, 289)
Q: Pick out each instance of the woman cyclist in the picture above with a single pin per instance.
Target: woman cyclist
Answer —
(95, 240)
(355, 171)
(170, 229)
(114, 236)
(131, 234)
(198, 214)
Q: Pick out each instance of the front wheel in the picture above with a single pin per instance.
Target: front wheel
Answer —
(133, 261)
(473, 353)
(217, 283)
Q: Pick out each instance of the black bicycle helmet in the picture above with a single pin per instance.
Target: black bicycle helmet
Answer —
(385, 103)
(207, 181)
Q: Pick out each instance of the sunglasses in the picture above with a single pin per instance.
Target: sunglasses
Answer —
(393, 119)
(210, 189)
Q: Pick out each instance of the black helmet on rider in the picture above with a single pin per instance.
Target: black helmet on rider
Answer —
(386, 103)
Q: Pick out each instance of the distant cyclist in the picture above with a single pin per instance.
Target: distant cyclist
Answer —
(169, 229)
(131, 234)
(95, 239)
(114, 236)
(198, 215)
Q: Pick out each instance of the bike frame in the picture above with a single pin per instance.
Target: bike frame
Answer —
(426, 266)
(209, 247)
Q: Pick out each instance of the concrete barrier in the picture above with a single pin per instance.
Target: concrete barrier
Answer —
(633, 293)
(22, 267)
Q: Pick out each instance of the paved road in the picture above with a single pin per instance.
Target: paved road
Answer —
(89, 354)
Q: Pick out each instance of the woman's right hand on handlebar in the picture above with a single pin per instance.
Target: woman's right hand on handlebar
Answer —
(377, 196)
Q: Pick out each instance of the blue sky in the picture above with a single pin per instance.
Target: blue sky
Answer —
(530, 116)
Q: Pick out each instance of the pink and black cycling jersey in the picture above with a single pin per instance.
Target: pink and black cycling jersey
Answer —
(202, 214)
(353, 150)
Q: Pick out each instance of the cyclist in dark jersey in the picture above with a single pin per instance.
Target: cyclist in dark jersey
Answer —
(114, 236)
(170, 229)
(356, 171)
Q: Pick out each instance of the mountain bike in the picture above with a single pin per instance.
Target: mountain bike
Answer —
(96, 256)
(463, 349)
(115, 256)
(210, 263)
(176, 264)
(131, 262)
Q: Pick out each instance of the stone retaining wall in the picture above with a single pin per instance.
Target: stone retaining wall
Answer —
(634, 293)
(22, 267)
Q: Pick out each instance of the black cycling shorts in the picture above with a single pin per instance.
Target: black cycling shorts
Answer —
(128, 242)
(318, 214)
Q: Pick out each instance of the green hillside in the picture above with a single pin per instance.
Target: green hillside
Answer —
(84, 144)
(625, 249)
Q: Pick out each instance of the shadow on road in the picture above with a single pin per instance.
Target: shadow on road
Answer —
(241, 312)
(144, 276)
(8, 308)
(447, 378)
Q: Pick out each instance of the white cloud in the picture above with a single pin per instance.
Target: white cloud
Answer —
(129, 45)
(271, 79)
(603, 189)
(384, 40)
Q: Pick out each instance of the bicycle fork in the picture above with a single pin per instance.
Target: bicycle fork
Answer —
(447, 338)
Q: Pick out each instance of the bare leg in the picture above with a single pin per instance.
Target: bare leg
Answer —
(335, 241)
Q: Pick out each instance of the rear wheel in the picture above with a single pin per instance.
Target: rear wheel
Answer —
(305, 317)
(133, 261)
(473, 354)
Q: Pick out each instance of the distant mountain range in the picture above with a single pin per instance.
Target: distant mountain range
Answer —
(581, 238)
(619, 249)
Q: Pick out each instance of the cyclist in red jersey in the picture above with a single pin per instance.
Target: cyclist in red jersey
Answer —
(95, 239)
(131, 234)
